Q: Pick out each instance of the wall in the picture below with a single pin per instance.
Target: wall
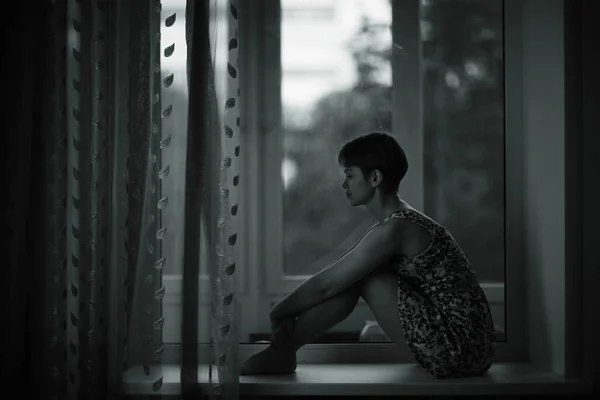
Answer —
(591, 190)
(562, 175)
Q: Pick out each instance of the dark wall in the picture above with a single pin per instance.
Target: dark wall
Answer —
(590, 188)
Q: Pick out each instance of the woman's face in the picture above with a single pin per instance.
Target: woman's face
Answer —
(357, 188)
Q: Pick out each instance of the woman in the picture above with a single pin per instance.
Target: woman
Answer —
(409, 269)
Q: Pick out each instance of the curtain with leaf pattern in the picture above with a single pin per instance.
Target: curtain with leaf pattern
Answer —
(86, 151)
(212, 180)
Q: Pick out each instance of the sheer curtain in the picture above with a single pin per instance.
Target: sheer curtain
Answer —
(212, 180)
(85, 151)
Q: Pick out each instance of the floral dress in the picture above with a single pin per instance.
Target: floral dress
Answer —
(445, 314)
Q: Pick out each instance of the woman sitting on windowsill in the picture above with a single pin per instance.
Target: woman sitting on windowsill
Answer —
(409, 269)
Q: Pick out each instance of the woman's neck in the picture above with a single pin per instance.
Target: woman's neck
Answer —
(381, 207)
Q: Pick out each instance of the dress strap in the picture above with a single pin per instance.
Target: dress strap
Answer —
(413, 216)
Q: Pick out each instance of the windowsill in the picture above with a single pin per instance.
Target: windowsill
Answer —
(349, 337)
(374, 380)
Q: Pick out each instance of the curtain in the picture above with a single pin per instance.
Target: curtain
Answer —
(86, 152)
(212, 180)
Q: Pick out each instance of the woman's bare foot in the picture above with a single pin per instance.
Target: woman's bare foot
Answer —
(269, 362)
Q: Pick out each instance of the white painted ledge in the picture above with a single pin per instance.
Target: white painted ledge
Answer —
(373, 380)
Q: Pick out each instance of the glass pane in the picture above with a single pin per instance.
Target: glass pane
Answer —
(463, 67)
(336, 82)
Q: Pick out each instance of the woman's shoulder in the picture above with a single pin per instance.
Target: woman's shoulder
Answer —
(412, 236)
(409, 217)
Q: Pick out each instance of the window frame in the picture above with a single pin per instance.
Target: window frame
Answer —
(261, 160)
(407, 121)
(265, 140)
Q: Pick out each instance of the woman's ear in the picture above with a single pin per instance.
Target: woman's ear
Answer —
(376, 178)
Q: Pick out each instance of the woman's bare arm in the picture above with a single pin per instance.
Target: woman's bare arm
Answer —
(309, 293)
(377, 246)
(357, 243)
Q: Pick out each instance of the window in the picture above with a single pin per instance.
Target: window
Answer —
(445, 107)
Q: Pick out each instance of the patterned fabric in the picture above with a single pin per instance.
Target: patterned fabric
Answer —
(93, 257)
(147, 201)
(97, 212)
(445, 315)
(87, 160)
(223, 333)
(214, 133)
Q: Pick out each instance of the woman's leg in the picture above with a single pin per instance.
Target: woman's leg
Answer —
(280, 356)
(380, 291)
(317, 320)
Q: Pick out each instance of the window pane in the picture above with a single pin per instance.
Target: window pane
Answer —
(336, 85)
(463, 71)
(336, 82)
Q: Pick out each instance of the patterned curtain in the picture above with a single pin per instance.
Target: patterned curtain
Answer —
(113, 192)
(84, 266)
(212, 180)
(88, 144)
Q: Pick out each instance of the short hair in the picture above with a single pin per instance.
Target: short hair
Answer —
(376, 151)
